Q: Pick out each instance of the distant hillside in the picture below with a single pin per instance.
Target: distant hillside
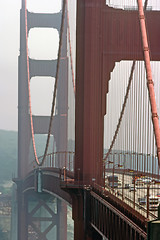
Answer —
(8, 154)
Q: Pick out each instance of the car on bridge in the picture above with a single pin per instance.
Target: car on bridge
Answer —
(132, 188)
(147, 180)
(142, 201)
(139, 182)
(127, 186)
(113, 181)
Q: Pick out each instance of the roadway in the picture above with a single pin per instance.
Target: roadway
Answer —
(133, 193)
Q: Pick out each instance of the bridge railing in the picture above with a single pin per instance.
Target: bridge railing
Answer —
(56, 160)
(129, 189)
(139, 190)
(131, 196)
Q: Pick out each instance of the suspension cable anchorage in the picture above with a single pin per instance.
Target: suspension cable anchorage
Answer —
(155, 115)
(150, 81)
(146, 49)
(141, 16)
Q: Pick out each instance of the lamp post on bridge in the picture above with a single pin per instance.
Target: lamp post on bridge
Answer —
(124, 161)
(114, 166)
(104, 166)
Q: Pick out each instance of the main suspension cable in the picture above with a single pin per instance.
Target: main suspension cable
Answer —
(149, 77)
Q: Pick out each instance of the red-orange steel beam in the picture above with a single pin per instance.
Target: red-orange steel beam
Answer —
(149, 77)
(98, 47)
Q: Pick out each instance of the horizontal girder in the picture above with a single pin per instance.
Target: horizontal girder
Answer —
(42, 68)
(42, 20)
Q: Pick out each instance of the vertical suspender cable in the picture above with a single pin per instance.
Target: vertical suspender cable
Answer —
(123, 107)
(122, 111)
(149, 77)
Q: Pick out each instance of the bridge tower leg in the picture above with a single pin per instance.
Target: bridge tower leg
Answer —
(22, 213)
(61, 132)
(77, 215)
(81, 215)
(38, 68)
(62, 220)
(14, 213)
(89, 115)
(23, 116)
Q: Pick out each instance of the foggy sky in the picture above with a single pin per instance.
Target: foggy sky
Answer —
(9, 51)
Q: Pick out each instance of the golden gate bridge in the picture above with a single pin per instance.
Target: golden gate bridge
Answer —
(106, 99)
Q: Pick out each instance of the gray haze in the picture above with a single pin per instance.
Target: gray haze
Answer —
(9, 51)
